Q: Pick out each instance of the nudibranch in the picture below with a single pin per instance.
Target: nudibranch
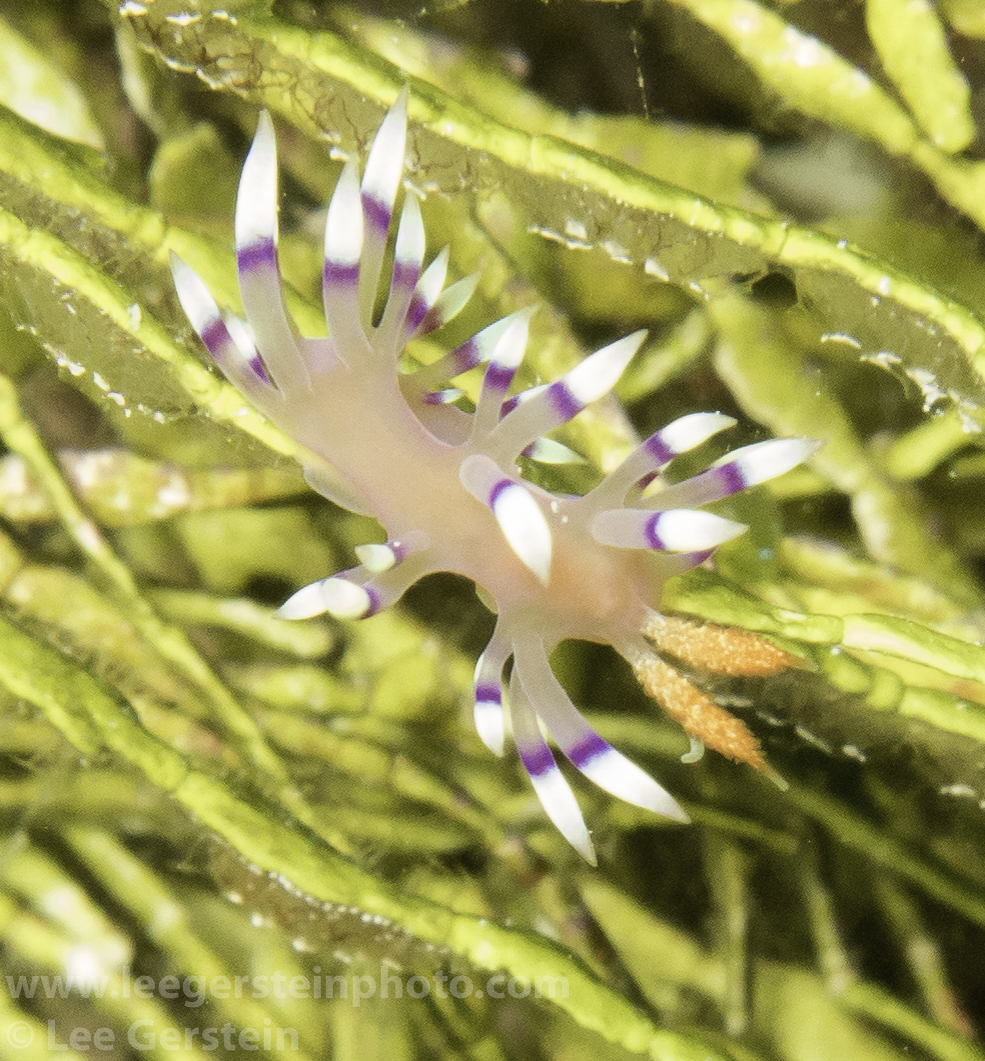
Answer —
(444, 484)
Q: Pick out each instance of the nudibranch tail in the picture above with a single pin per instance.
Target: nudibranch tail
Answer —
(444, 484)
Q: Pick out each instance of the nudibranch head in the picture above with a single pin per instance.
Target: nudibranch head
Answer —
(443, 481)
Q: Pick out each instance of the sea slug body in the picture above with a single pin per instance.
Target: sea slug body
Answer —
(444, 483)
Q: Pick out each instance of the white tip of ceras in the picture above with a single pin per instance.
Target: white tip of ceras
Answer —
(199, 305)
(449, 304)
(228, 339)
(241, 334)
(549, 451)
(618, 775)
(337, 596)
(409, 250)
(385, 165)
(376, 558)
(768, 460)
(520, 518)
(490, 723)
(511, 345)
(689, 431)
(344, 225)
(562, 808)
(256, 204)
(428, 289)
(488, 707)
(685, 530)
(524, 527)
(379, 557)
(600, 372)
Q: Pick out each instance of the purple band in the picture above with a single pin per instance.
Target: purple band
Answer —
(590, 746)
(464, 357)
(564, 401)
(537, 761)
(215, 335)
(731, 477)
(496, 492)
(259, 255)
(258, 367)
(656, 448)
(374, 602)
(417, 311)
(338, 275)
(650, 534)
(488, 694)
(498, 377)
(405, 275)
(377, 214)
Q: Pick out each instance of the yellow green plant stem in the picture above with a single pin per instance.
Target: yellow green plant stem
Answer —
(21, 1030)
(120, 488)
(770, 382)
(60, 901)
(22, 438)
(66, 270)
(889, 852)
(640, 219)
(810, 75)
(926, 962)
(727, 868)
(812, 1013)
(35, 673)
(39, 946)
(191, 608)
(874, 1003)
(836, 969)
(142, 893)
